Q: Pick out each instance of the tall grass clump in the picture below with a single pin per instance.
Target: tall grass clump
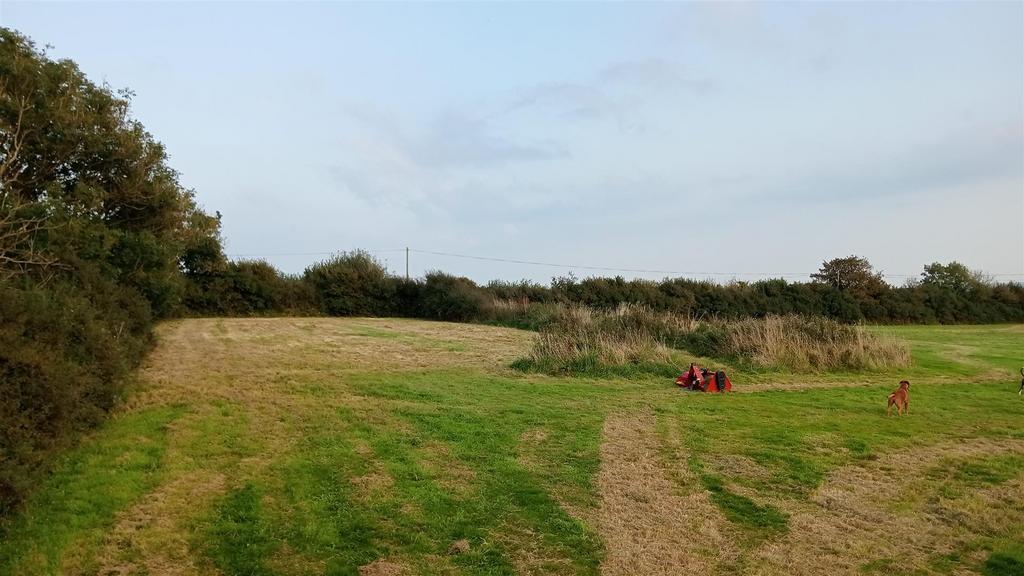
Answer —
(519, 313)
(799, 343)
(580, 340)
(634, 338)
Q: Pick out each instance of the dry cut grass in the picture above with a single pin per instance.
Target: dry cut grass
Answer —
(895, 511)
(646, 525)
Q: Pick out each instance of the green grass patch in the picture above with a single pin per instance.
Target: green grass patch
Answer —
(480, 419)
(979, 472)
(591, 366)
(762, 520)
(371, 332)
(316, 501)
(74, 506)
(962, 351)
(797, 437)
(239, 538)
(1005, 561)
(879, 566)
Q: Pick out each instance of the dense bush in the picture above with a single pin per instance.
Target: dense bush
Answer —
(93, 224)
(65, 353)
(247, 288)
(919, 302)
(352, 284)
(447, 297)
(356, 284)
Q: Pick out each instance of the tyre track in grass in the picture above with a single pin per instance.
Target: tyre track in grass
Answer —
(647, 526)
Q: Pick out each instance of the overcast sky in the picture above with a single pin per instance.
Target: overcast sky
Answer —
(744, 139)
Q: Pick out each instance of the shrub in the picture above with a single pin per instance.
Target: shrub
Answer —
(64, 355)
(352, 284)
(246, 288)
(582, 340)
(94, 230)
(519, 313)
(446, 297)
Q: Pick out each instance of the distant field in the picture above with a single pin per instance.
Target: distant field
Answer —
(371, 446)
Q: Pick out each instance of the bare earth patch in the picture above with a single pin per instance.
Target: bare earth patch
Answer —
(372, 484)
(446, 469)
(382, 567)
(529, 555)
(647, 527)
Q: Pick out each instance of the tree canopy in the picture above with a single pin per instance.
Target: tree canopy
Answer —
(94, 226)
(852, 273)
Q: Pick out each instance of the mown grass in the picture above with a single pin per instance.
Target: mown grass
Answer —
(78, 502)
(238, 538)
(799, 436)
(763, 520)
(1007, 560)
(792, 440)
(318, 512)
(366, 441)
(967, 351)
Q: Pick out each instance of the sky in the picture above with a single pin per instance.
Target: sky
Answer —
(710, 140)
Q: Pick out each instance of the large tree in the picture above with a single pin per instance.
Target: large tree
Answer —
(852, 274)
(954, 277)
(94, 232)
(82, 183)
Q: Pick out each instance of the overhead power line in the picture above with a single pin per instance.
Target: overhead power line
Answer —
(607, 268)
(234, 255)
(584, 266)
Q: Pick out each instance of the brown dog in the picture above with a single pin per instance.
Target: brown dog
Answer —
(900, 399)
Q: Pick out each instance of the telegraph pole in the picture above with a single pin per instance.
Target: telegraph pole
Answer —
(406, 262)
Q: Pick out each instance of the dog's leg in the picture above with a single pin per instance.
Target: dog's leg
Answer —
(906, 406)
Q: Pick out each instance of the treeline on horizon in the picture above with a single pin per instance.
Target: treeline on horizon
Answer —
(355, 284)
(99, 241)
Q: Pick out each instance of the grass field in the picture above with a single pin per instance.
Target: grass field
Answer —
(371, 446)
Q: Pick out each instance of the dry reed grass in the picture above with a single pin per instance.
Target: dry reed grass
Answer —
(804, 343)
(581, 339)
